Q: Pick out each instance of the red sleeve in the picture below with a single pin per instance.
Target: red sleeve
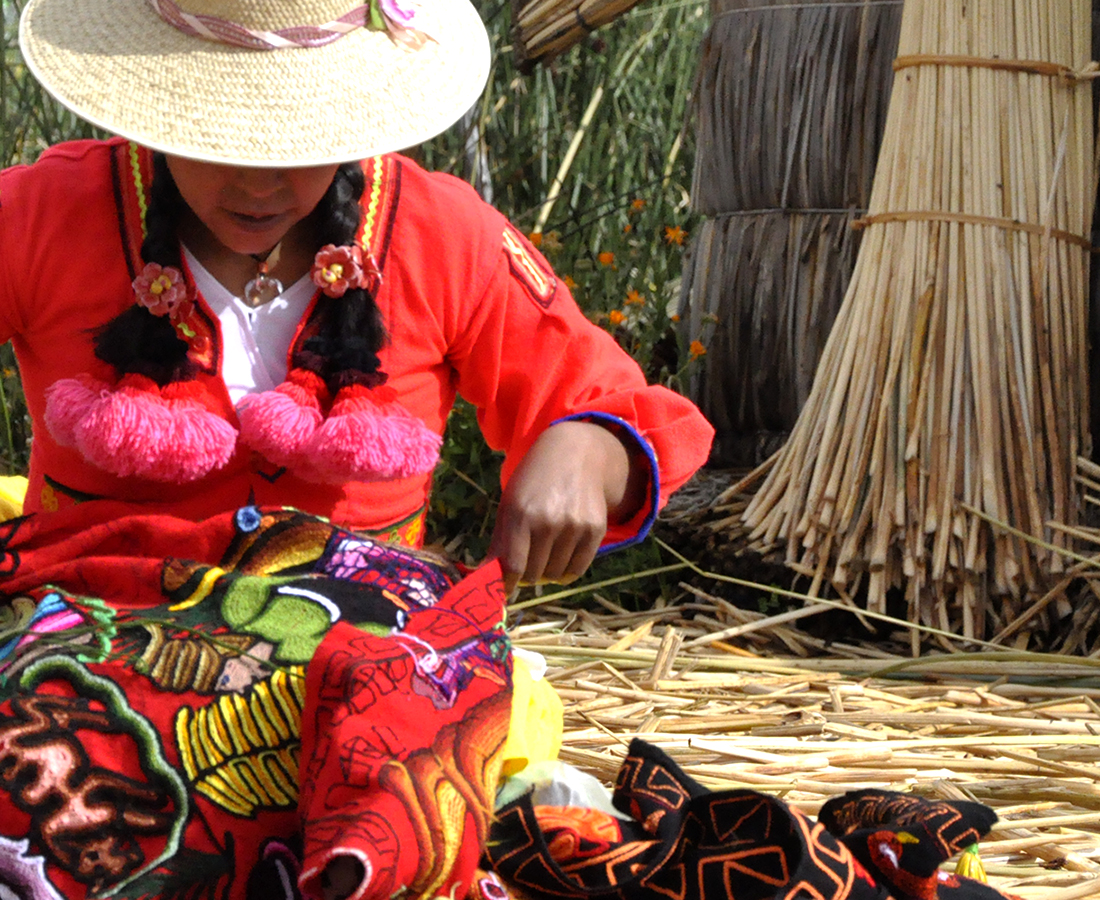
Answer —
(527, 357)
(57, 223)
(12, 248)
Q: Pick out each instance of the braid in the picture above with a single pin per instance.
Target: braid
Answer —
(136, 340)
(166, 209)
(351, 332)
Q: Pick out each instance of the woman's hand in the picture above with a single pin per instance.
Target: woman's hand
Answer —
(555, 510)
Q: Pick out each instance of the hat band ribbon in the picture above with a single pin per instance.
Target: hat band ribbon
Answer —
(225, 32)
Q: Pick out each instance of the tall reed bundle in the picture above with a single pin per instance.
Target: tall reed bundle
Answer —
(953, 389)
(791, 103)
(762, 291)
(790, 107)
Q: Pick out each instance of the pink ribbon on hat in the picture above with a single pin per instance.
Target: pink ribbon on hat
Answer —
(402, 27)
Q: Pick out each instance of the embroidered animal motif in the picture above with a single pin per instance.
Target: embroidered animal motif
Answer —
(287, 577)
(85, 816)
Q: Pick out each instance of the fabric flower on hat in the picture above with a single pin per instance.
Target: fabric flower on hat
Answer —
(162, 291)
(337, 269)
(400, 12)
(405, 20)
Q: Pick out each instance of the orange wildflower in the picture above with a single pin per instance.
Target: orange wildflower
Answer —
(674, 234)
(627, 228)
(637, 204)
(616, 317)
(569, 282)
(697, 349)
(633, 298)
(675, 317)
(535, 237)
(606, 258)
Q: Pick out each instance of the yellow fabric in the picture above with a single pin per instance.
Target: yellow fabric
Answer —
(537, 721)
(13, 488)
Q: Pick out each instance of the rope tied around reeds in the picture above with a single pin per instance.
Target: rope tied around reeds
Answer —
(1073, 77)
(918, 215)
(1023, 66)
(841, 4)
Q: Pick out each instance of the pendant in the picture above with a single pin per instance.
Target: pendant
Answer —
(261, 289)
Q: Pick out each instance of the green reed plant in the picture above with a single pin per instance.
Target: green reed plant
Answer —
(30, 120)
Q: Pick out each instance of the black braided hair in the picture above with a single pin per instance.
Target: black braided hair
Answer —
(136, 340)
(350, 332)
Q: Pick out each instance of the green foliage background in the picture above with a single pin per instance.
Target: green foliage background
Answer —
(614, 231)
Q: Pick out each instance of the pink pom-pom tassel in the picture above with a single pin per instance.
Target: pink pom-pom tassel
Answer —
(67, 402)
(277, 426)
(363, 439)
(279, 423)
(210, 438)
(134, 431)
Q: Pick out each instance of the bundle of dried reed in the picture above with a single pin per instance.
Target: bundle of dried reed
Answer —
(953, 389)
(789, 112)
(761, 291)
(543, 29)
(791, 102)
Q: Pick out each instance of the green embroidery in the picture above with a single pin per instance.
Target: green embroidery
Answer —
(295, 625)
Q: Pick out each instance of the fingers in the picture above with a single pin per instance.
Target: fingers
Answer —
(510, 544)
(554, 511)
(571, 556)
(546, 553)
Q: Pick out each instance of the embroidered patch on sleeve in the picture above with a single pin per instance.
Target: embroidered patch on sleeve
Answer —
(529, 269)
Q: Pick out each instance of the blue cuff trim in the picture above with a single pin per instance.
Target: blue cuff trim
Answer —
(625, 429)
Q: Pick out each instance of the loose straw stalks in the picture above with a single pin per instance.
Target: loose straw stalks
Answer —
(956, 372)
(1016, 731)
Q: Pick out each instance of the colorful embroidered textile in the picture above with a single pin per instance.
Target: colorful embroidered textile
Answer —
(686, 843)
(154, 690)
(219, 710)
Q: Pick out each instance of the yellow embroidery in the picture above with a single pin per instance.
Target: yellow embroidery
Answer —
(377, 170)
(49, 499)
(206, 585)
(242, 754)
(139, 186)
(527, 270)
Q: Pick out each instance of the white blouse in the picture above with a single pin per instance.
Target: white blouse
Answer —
(254, 341)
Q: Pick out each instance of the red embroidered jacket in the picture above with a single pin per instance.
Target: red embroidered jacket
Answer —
(470, 306)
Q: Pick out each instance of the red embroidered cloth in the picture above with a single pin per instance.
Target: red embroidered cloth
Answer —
(157, 720)
(162, 736)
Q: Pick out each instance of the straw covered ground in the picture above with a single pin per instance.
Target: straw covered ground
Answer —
(776, 711)
(743, 699)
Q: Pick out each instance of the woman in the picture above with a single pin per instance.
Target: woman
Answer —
(257, 169)
(240, 320)
(241, 325)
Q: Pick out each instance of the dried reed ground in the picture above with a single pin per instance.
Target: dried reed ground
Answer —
(775, 711)
(741, 699)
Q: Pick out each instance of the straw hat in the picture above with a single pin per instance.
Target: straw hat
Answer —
(340, 91)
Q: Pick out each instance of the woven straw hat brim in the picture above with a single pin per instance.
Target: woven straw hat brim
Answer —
(117, 64)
